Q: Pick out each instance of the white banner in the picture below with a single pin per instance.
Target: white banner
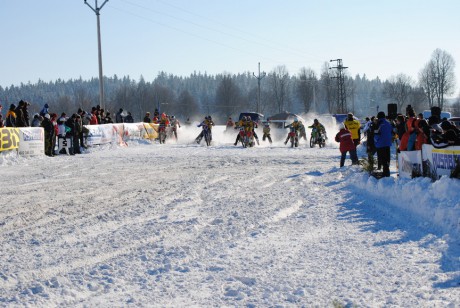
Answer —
(31, 141)
(439, 162)
(100, 134)
(410, 164)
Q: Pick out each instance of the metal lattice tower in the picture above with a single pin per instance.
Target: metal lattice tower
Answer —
(341, 90)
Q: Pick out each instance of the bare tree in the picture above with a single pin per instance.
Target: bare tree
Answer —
(279, 81)
(328, 89)
(398, 89)
(427, 81)
(306, 87)
(438, 78)
(417, 99)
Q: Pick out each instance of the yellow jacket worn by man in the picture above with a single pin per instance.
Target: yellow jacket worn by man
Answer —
(354, 127)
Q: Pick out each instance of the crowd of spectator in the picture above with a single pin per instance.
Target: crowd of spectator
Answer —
(65, 127)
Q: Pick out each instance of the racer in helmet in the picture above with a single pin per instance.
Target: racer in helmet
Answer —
(296, 126)
(209, 124)
(317, 128)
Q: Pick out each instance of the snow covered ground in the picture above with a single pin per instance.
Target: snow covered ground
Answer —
(183, 224)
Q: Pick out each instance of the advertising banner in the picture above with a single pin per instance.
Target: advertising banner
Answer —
(100, 134)
(410, 164)
(439, 162)
(118, 132)
(9, 138)
(151, 131)
(31, 141)
(133, 131)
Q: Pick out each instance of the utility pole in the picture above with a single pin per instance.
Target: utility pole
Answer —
(259, 78)
(341, 91)
(97, 10)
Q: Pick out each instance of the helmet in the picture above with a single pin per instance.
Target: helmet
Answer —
(296, 120)
(209, 118)
(315, 120)
(173, 117)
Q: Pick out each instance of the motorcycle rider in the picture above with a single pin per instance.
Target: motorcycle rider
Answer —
(163, 123)
(252, 125)
(206, 122)
(296, 125)
(266, 131)
(240, 124)
(229, 125)
(317, 128)
(174, 124)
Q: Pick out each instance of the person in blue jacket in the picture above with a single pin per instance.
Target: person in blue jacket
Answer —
(383, 138)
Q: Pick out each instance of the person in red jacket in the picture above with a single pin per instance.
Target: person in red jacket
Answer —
(346, 145)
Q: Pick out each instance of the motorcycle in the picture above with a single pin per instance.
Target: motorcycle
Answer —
(162, 134)
(207, 135)
(317, 138)
(246, 138)
(293, 137)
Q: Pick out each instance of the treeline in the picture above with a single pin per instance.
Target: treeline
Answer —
(226, 95)
(220, 95)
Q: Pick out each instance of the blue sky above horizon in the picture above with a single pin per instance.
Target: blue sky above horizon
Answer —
(54, 39)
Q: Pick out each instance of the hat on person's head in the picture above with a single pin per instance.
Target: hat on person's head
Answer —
(381, 115)
(47, 116)
(12, 106)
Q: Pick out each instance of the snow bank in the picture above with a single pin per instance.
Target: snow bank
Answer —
(437, 203)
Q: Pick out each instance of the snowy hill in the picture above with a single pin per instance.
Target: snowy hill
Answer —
(187, 225)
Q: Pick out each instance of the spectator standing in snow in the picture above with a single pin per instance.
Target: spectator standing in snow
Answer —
(344, 137)
(119, 116)
(44, 110)
(147, 118)
(370, 146)
(49, 135)
(129, 118)
(10, 120)
(383, 139)
(37, 120)
(25, 113)
(354, 127)
(20, 121)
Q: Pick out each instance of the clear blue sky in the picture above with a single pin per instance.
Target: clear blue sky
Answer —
(52, 39)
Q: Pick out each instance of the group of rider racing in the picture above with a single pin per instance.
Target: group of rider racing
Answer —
(246, 124)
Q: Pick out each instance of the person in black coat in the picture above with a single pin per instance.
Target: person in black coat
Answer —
(20, 121)
(49, 135)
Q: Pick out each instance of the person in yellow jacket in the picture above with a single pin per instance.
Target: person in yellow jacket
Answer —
(354, 127)
(207, 122)
(244, 124)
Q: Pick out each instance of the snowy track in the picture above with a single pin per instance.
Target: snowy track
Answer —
(185, 225)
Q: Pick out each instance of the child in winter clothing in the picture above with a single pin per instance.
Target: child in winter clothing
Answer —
(346, 145)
